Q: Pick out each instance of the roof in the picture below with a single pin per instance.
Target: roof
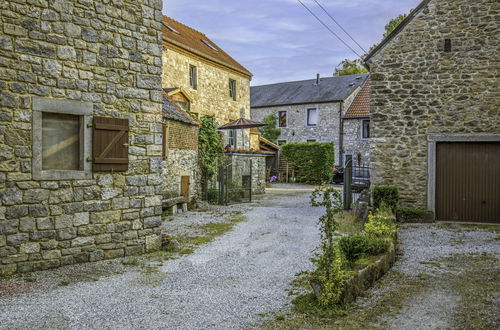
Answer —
(330, 89)
(198, 43)
(173, 111)
(397, 30)
(360, 107)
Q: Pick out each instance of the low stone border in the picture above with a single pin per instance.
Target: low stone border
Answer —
(367, 276)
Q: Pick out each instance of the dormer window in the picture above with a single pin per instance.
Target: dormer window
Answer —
(212, 47)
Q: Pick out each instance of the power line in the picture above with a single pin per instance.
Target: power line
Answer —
(328, 28)
(340, 26)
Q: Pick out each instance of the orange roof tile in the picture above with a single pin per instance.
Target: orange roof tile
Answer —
(360, 107)
(198, 43)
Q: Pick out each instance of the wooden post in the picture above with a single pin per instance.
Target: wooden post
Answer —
(348, 182)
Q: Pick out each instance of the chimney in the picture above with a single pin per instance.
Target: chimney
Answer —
(317, 79)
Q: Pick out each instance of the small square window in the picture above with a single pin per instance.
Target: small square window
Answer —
(61, 141)
(312, 117)
(365, 129)
(447, 45)
(232, 89)
(193, 77)
(282, 119)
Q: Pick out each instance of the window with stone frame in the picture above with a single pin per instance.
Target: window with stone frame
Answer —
(282, 119)
(61, 139)
(312, 117)
(193, 77)
(232, 89)
(365, 129)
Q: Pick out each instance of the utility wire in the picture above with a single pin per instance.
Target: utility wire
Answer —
(328, 28)
(340, 26)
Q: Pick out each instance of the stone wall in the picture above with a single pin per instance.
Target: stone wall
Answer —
(181, 160)
(354, 144)
(106, 54)
(297, 130)
(240, 166)
(418, 89)
(211, 98)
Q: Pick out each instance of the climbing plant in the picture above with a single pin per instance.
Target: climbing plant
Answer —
(270, 131)
(211, 148)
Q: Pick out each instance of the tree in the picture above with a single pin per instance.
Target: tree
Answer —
(393, 24)
(347, 67)
(270, 131)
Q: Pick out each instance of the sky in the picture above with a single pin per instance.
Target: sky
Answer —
(278, 40)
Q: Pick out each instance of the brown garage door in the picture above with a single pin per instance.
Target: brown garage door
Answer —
(468, 181)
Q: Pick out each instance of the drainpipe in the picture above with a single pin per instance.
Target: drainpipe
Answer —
(341, 134)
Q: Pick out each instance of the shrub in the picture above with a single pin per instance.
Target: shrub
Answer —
(354, 246)
(213, 195)
(270, 131)
(312, 161)
(377, 246)
(380, 226)
(387, 195)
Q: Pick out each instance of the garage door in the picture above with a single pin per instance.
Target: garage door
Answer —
(468, 181)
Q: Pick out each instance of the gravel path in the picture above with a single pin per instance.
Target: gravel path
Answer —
(228, 283)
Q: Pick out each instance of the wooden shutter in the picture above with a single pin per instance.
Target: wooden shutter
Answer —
(185, 186)
(110, 144)
(164, 132)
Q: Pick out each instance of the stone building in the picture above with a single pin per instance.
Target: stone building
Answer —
(208, 81)
(181, 172)
(356, 127)
(308, 110)
(80, 131)
(435, 109)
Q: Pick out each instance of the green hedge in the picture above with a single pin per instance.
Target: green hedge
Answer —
(410, 214)
(387, 195)
(313, 161)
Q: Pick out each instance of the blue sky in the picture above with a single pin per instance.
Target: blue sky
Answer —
(278, 40)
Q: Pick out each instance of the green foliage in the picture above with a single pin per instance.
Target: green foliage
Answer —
(331, 273)
(270, 131)
(210, 147)
(387, 195)
(393, 24)
(313, 161)
(381, 225)
(347, 67)
(410, 214)
(212, 196)
(354, 246)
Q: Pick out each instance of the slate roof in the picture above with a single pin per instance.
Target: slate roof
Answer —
(191, 40)
(330, 89)
(173, 111)
(360, 107)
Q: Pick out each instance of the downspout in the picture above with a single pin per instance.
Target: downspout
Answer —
(341, 134)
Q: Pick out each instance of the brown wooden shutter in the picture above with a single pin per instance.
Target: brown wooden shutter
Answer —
(185, 186)
(110, 144)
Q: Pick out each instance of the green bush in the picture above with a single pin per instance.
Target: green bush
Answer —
(312, 161)
(387, 195)
(377, 246)
(213, 195)
(354, 246)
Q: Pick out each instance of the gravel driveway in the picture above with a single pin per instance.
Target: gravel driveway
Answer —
(229, 283)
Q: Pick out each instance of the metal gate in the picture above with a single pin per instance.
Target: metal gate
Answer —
(468, 181)
(356, 180)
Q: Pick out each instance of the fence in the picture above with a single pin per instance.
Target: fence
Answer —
(356, 180)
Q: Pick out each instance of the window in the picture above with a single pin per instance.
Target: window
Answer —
(212, 47)
(281, 142)
(61, 139)
(170, 27)
(282, 119)
(447, 45)
(365, 129)
(193, 77)
(61, 142)
(232, 89)
(232, 138)
(312, 117)
(311, 140)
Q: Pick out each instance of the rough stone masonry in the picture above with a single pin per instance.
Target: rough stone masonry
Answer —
(105, 55)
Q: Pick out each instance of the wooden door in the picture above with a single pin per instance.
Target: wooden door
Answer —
(468, 181)
(185, 186)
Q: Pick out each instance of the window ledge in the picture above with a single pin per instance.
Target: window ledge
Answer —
(61, 175)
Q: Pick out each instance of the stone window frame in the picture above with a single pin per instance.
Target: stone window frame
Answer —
(307, 116)
(433, 140)
(279, 119)
(70, 107)
(363, 129)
